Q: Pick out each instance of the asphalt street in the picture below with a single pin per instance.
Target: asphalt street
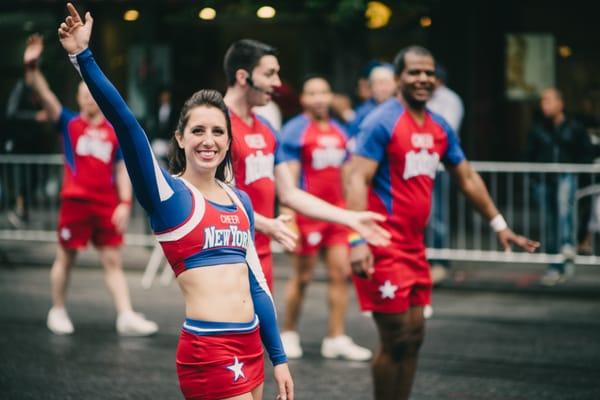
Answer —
(495, 334)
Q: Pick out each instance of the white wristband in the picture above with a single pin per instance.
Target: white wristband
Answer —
(498, 223)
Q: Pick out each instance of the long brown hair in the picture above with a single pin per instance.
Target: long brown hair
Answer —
(207, 98)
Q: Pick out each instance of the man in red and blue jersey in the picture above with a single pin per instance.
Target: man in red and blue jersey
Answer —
(95, 199)
(398, 149)
(314, 146)
(252, 72)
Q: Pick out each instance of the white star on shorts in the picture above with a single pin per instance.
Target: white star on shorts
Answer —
(65, 234)
(388, 290)
(236, 368)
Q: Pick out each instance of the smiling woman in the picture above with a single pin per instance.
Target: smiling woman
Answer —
(205, 228)
(204, 114)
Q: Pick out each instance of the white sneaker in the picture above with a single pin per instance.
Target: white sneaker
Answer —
(343, 347)
(551, 278)
(130, 323)
(427, 311)
(59, 322)
(291, 344)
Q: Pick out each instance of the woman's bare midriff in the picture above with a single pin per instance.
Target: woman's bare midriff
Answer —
(218, 293)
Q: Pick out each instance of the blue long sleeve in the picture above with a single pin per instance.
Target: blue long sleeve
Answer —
(261, 297)
(269, 331)
(164, 198)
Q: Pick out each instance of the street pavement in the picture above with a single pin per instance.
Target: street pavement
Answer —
(495, 334)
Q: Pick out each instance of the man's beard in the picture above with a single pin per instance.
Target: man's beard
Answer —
(414, 103)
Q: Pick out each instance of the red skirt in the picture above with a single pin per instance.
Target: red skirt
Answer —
(219, 365)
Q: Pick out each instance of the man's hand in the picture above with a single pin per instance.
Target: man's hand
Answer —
(34, 49)
(120, 217)
(279, 229)
(74, 34)
(507, 238)
(365, 223)
(361, 261)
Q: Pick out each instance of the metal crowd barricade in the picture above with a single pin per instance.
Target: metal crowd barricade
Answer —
(512, 186)
(30, 186)
(29, 200)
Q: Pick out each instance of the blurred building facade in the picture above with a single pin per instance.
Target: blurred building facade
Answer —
(168, 45)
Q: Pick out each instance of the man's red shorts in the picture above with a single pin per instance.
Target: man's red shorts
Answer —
(80, 221)
(266, 263)
(315, 235)
(400, 281)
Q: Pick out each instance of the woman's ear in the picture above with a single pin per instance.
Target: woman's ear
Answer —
(179, 138)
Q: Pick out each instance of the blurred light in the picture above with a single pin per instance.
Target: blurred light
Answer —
(564, 51)
(425, 22)
(131, 15)
(207, 13)
(377, 15)
(265, 12)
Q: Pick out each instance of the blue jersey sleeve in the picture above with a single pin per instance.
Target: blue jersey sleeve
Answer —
(377, 129)
(65, 117)
(265, 310)
(372, 140)
(118, 154)
(261, 298)
(454, 154)
(290, 139)
(165, 199)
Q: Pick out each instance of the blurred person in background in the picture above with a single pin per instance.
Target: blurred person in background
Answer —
(96, 199)
(557, 138)
(314, 148)
(382, 86)
(164, 124)
(26, 132)
(341, 106)
(589, 206)
(445, 102)
(252, 73)
(392, 171)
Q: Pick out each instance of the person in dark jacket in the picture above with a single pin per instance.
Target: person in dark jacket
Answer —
(557, 139)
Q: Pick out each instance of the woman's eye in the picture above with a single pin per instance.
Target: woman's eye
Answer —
(197, 130)
(218, 132)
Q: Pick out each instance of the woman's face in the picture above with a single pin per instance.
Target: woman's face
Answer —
(204, 139)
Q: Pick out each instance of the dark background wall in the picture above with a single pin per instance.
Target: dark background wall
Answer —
(330, 37)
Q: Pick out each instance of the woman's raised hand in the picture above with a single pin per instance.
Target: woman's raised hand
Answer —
(74, 34)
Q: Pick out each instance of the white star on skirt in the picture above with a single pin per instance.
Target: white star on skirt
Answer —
(388, 290)
(236, 368)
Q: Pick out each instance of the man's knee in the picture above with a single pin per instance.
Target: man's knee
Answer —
(65, 258)
(111, 259)
(303, 279)
(405, 342)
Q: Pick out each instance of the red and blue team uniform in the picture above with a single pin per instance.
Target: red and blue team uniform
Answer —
(215, 360)
(255, 155)
(321, 151)
(89, 194)
(408, 154)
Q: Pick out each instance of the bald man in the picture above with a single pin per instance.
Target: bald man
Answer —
(383, 88)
